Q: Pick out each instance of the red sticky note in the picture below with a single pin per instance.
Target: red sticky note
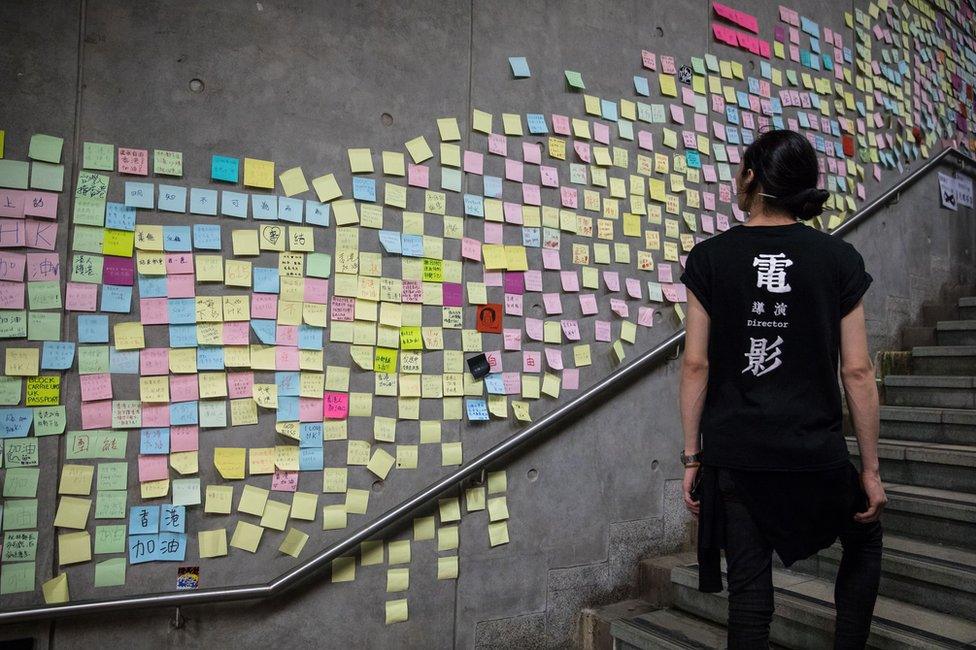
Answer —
(335, 406)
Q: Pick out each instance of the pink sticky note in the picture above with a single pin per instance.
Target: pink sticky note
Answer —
(12, 203)
(494, 358)
(473, 162)
(11, 233)
(588, 305)
(553, 303)
(571, 379)
(601, 132)
(153, 468)
(512, 338)
(96, 415)
(154, 311)
(493, 278)
(513, 170)
(645, 140)
(265, 305)
(153, 361)
(42, 236)
(548, 176)
(677, 113)
(180, 286)
(601, 330)
(494, 232)
(570, 329)
(612, 280)
(12, 295)
(645, 316)
(534, 328)
(550, 259)
(568, 197)
(452, 294)
(531, 194)
(236, 333)
(649, 60)
(569, 280)
(240, 384)
(335, 406)
(634, 288)
(183, 388)
(133, 161)
(533, 280)
(560, 125)
(664, 273)
(512, 383)
(155, 415)
(42, 267)
(619, 307)
(667, 64)
(41, 204)
(513, 213)
(179, 263)
(96, 387)
(514, 282)
(554, 358)
(471, 249)
(418, 175)
(184, 438)
(532, 152)
(310, 409)
(12, 267)
(531, 361)
(582, 150)
(513, 304)
(498, 144)
(286, 358)
(286, 335)
(284, 481)
(81, 296)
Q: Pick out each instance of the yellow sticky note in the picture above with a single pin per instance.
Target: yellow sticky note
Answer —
(293, 543)
(253, 500)
(72, 512)
(334, 517)
(448, 128)
(74, 547)
(118, 242)
(447, 567)
(218, 499)
(498, 533)
(397, 579)
(56, 589)
(668, 86)
(275, 515)
(419, 150)
(360, 161)
(76, 479)
(293, 181)
(381, 463)
(22, 362)
(229, 461)
(303, 505)
(213, 543)
(399, 552)
(246, 536)
(259, 173)
(326, 187)
(129, 336)
(344, 569)
(396, 611)
(424, 528)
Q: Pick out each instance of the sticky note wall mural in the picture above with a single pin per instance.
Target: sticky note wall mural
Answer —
(229, 364)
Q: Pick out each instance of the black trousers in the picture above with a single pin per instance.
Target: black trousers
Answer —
(750, 585)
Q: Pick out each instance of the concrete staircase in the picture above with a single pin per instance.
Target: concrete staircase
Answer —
(928, 587)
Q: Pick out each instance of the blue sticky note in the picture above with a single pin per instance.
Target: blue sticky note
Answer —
(92, 328)
(233, 204)
(16, 422)
(123, 362)
(183, 336)
(152, 286)
(536, 123)
(264, 207)
(139, 195)
(172, 547)
(390, 240)
(143, 548)
(203, 201)
(287, 409)
(154, 441)
(287, 383)
(120, 217)
(309, 337)
(311, 459)
(747, 136)
(184, 413)
(206, 236)
(492, 186)
(363, 189)
(210, 357)
(181, 310)
(494, 384)
(172, 198)
(177, 239)
(290, 209)
(224, 168)
(143, 519)
(57, 355)
(474, 205)
(116, 299)
(310, 434)
(450, 179)
(520, 67)
(266, 280)
(264, 329)
(731, 114)
(532, 237)
(477, 410)
(808, 26)
(412, 245)
(317, 214)
(641, 87)
(608, 109)
(693, 159)
(172, 519)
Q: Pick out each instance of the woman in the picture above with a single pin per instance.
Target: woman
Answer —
(771, 305)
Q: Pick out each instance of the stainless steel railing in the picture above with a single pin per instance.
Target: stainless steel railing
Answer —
(587, 399)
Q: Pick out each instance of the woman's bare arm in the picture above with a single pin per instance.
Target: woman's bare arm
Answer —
(694, 383)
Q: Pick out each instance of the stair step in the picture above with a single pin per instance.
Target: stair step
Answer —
(668, 629)
(955, 332)
(932, 514)
(966, 307)
(804, 616)
(923, 573)
(950, 391)
(945, 466)
(917, 335)
(944, 360)
(926, 424)
(596, 622)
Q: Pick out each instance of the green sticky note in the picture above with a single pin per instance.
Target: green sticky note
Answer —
(14, 173)
(110, 573)
(92, 359)
(575, 79)
(20, 514)
(89, 211)
(13, 324)
(21, 482)
(711, 62)
(167, 163)
(49, 420)
(96, 444)
(113, 476)
(20, 452)
(86, 268)
(186, 491)
(110, 539)
(20, 546)
(45, 147)
(45, 176)
(17, 577)
(96, 155)
(110, 504)
(88, 239)
(92, 185)
(44, 326)
(318, 265)
(698, 65)
(212, 413)
(10, 390)
(44, 295)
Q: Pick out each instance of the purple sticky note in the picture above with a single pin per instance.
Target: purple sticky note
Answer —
(514, 282)
(118, 270)
(452, 294)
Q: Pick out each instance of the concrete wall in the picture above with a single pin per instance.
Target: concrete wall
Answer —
(302, 81)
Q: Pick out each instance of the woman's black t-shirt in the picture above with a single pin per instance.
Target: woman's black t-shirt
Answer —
(775, 296)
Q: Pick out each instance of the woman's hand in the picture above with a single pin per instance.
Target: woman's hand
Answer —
(689, 482)
(871, 482)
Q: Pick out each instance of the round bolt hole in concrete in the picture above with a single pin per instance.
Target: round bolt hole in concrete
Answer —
(532, 475)
(196, 85)
(387, 119)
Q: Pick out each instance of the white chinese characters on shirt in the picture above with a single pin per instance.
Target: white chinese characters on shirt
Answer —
(765, 355)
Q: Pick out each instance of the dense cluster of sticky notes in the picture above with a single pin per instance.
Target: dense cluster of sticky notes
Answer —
(30, 316)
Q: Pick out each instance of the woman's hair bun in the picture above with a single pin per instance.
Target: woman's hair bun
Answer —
(806, 204)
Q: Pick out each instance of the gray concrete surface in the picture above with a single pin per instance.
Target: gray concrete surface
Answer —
(301, 82)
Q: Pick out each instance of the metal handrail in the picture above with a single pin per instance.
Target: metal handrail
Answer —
(615, 380)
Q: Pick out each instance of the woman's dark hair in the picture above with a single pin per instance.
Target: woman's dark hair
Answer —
(785, 171)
